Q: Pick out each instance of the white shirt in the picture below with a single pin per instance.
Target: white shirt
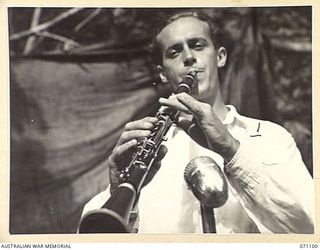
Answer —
(270, 189)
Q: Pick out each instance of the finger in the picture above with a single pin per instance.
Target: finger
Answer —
(114, 176)
(145, 123)
(121, 149)
(127, 136)
(151, 173)
(156, 165)
(155, 168)
(198, 109)
(185, 124)
(173, 102)
(161, 153)
(193, 129)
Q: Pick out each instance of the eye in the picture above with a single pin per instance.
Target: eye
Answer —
(174, 50)
(172, 53)
(199, 45)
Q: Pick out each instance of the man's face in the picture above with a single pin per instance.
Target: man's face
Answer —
(186, 45)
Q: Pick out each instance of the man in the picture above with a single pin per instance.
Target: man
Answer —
(270, 189)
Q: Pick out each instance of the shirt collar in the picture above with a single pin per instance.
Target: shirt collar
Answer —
(230, 116)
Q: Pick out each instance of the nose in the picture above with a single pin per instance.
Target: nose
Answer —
(189, 59)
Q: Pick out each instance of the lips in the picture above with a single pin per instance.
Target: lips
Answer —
(196, 70)
(200, 73)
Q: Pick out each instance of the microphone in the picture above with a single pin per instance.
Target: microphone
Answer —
(208, 184)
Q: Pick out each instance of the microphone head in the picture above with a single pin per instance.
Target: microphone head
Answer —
(206, 181)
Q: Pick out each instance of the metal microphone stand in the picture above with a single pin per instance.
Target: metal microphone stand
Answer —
(208, 184)
(208, 220)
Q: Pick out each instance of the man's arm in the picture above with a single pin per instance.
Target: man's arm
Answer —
(267, 173)
(272, 182)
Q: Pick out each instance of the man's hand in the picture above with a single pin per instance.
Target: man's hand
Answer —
(122, 153)
(217, 136)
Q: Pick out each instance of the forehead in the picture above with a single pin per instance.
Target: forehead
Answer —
(182, 29)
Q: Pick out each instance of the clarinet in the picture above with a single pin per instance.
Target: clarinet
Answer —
(114, 215)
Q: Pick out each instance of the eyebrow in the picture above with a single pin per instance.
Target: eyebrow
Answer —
(177, 45)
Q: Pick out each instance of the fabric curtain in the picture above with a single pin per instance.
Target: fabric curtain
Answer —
(66, 116)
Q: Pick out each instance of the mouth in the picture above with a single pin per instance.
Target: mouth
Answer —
(199, 72)
(200, 75)
(196, 70)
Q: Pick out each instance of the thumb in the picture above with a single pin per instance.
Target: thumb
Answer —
(193, 129)
(161, 153)
(156, 165)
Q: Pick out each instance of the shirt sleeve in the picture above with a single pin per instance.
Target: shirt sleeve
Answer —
(273, 184)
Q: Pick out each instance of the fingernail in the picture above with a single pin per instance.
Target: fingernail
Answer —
(153, 119)
(179, 96)
(148, 125)
(147, 132)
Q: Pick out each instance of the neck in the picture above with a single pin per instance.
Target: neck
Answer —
(219, 107)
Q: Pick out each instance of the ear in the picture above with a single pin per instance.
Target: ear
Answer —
(162, 74)
(221, 57)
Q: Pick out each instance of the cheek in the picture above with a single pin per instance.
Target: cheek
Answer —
(172, 70)
(209, 58)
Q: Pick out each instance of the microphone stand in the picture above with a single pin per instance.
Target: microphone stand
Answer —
(208, 184)
(208, 220)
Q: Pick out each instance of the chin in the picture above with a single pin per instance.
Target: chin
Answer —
(199, 96)
(204, 96)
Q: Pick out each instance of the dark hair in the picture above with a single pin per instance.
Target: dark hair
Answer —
(213, 29)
